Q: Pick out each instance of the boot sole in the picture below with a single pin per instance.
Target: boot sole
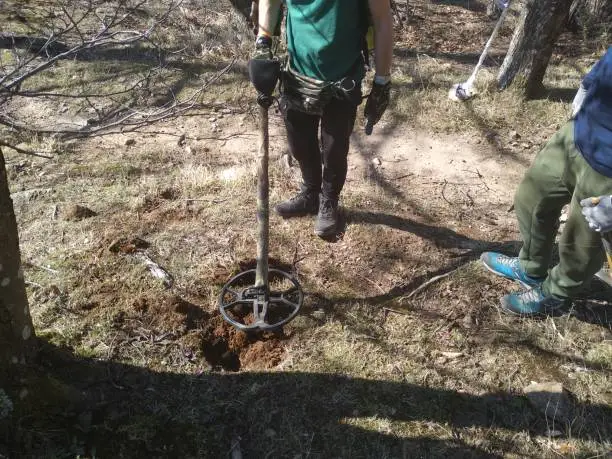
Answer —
(327, 233)
(298, 214)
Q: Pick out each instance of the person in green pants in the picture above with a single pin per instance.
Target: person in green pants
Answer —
(574, 166)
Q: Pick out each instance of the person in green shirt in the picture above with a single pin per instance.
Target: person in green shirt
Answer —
(321, 90)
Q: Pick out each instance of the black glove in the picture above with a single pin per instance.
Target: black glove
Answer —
(264, 71)
(377, 103)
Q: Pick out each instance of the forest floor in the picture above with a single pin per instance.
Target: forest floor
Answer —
(371, 367)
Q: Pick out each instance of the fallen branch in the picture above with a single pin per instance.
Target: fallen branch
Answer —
(394, 311)
(423, 286)
(24, 152)
(130, 121)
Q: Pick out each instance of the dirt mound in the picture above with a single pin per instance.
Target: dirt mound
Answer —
(225, 347)
(203, 335)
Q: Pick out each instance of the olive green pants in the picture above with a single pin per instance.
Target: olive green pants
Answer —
(559, 175)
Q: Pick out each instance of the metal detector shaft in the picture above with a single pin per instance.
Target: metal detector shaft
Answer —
(485, 51)
(606, 238)
(263, 216)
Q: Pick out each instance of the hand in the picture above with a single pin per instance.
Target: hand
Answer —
(598, 213)
(377, 103)
(264, 71)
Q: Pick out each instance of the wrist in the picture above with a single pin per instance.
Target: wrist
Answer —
(263, 41)
(382, 79)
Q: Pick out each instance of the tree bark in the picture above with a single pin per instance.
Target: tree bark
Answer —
(16, 330)
(591, 16)
(537, 31)
(599, 8)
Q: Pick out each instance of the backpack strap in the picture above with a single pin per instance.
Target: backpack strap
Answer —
(367, 44)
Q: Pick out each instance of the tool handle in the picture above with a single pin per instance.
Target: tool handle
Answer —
(263, 230)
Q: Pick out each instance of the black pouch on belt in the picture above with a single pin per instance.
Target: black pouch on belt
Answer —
(304, 94)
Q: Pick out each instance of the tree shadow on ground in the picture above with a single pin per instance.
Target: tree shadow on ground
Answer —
(470, 249)
(98, 408)
(492, 136)
(565, 95)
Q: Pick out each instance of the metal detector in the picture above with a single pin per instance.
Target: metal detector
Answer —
(464, 91)
(261, 298)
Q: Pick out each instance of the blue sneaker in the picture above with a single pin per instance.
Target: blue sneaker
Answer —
(532, 302)
(510, 268)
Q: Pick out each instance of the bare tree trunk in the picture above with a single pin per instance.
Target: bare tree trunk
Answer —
(538, 29)
(16, 331)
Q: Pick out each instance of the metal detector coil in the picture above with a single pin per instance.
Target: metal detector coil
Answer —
(261, 298)
(260, 308)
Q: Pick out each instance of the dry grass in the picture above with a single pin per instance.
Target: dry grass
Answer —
(366, 371)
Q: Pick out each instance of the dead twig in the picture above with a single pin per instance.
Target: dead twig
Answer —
(380, 289)
(34, 284)
(44, 268)
(24, 152)
(423, 286)
(130, 121)
(444, 188)
(394, 311)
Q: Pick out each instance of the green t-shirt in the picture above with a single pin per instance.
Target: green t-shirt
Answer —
(325, 37)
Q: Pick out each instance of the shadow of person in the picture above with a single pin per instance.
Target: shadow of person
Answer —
(94, 408)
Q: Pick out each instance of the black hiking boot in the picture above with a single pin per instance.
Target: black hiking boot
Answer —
(327, 219)
(306, 202)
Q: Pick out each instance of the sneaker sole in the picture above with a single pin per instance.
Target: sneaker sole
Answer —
(534, 315)
(511, 313)
(497, 273)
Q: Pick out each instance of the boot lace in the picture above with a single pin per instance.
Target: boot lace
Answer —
(507, 261)
(301, 195)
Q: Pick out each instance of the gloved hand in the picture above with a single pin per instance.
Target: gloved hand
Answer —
(377, 103)
(264, 71)
(598, 213)
(578, 100)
